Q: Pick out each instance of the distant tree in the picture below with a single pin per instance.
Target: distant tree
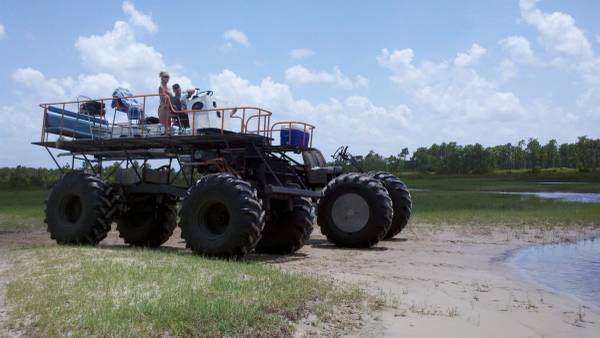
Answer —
(534, 154)
(550, 154)
(404, 154)
(374, 161)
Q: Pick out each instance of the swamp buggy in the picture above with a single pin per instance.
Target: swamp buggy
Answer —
(240, 187)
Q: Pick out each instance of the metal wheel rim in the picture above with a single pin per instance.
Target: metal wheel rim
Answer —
(350, 212)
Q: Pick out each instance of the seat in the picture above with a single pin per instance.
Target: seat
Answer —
(123, 101)
(318, 172)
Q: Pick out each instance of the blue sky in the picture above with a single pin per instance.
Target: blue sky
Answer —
(377, 76)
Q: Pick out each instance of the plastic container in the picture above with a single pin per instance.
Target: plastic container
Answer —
(297, 136)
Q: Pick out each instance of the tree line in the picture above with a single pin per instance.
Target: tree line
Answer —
(451, 158)
(445, 158)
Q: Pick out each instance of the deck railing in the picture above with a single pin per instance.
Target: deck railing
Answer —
(252, 120)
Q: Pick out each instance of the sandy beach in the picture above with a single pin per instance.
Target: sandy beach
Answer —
(453, 281)
(438, 281)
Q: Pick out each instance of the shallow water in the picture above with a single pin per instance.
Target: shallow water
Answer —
(558, 182)
(571, 268)
(582, 197)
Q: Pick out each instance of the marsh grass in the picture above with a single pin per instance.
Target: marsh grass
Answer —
(81, 291)
(484, 208)
(506, 183)
(472, 200)
(22, 209)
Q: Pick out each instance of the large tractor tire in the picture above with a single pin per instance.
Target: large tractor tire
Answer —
(221, 216)
(401, 201)
(355, 211)
(80, 209)
(286, 231)
(147, 221)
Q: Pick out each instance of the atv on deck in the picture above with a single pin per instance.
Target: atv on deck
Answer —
(240, 189)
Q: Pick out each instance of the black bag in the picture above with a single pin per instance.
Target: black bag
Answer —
(151, 120)
(94, 108)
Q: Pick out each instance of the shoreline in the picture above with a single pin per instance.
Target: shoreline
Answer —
(455, 282)
(523, 274)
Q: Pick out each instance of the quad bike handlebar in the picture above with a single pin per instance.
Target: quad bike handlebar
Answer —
(199, 92)
(342, 156)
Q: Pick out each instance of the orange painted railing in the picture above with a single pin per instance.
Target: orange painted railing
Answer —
(253, 120)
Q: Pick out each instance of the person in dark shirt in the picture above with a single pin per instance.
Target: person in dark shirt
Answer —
(176, 99)
(179, 104)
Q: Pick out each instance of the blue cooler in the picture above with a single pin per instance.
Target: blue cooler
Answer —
(296, 139)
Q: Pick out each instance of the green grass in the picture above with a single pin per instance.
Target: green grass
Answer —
(471, 200)
(79, 291)
(485, 208)
(22, 209)
(513, 184)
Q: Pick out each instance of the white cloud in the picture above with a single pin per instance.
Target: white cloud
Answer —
(115, 58)
(301, 53)
(558, 31)
(300, 75)
(2, 32)
(118, 52)
(507, 70)
(39, 86)
(519, 49)
(470, 57)
(37, 82)
(338, 121)
(568, 43)
(400, 63)
(236, 36)
(451, 87)
(589, 101)
(138, 18)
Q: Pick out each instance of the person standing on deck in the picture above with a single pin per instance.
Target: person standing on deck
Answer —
(164, 109)
(179, 104)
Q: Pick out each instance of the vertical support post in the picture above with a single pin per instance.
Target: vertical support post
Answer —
(222, 121)
(258, 123)
(243, 120)
(169, 173)
(193, 122)
(304, 135)
(142, 115)
(44, 122)
(62, 120)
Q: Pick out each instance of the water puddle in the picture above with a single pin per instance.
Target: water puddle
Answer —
(558, 182)
(582, 197)
(571, 268)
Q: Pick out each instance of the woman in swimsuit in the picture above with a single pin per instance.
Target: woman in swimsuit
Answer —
(164, 109)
